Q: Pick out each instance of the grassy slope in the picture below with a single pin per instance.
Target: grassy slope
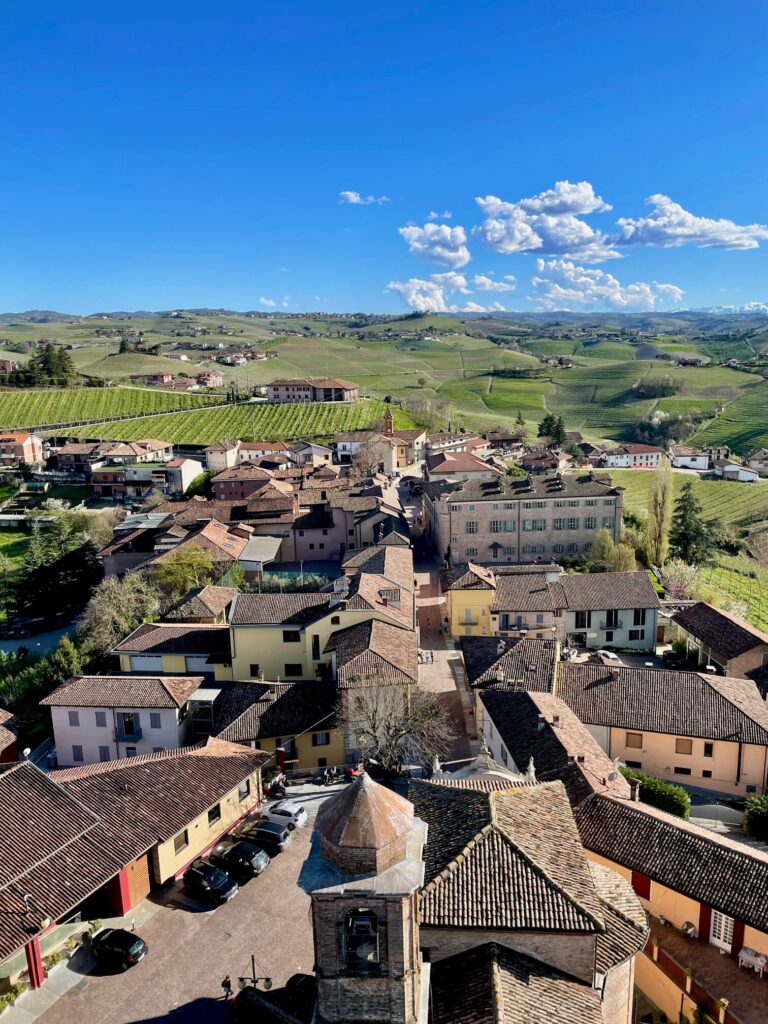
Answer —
(34, 408)
(727, 500)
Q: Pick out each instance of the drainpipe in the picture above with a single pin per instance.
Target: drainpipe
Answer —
(738, 761)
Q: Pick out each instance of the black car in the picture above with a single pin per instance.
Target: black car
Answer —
(239, 858)
(118, 948)
(209, 883)
(269, 835)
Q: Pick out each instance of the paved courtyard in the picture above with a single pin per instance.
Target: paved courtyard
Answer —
(192, 949)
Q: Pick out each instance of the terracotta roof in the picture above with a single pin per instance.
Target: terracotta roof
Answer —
(659, 700)
(364, 816)
(371, 592)
(242, 471)
(204, 601)
(124, 692)
(169, 638)
(247, 711)
(372, 651)
(541, 727)
(447, 463)
(222, 446)
(467, 577)
(212, 536)
(603, 590)
(701, 864)
(627, 924)
(726, 634)
(9, 729)
(391, 560)
(504, 860)
(279, 609)
(526, 592)
(525, 488)
(493, 984)
(507, 663)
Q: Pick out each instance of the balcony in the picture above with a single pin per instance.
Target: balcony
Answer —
(618, 624)
(131, 736)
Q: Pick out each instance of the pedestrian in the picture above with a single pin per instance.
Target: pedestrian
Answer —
(227, 987)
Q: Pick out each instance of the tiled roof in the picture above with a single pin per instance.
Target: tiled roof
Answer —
(242, 471)
(504, 860)
(394, 561)
(626, 922)
(541, 727)
(246, 711)
(600, 591)
(493, 984)
(652, 700)
(279, 609)
(467, 577)
(700, 864)
(727, 635)
(124, 692)
(168, 638)
(372, 651)
(526, 592)
(507, 663)
(203, 601)
(446, 463)
(9, 728)
(370, 592)
(526, 488)
(213, 536)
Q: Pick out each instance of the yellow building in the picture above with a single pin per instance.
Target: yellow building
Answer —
(177, 649)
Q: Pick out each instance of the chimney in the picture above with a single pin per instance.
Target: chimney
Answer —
(541, 723)
(634, 790)
(280, 755)
(556, 721)
(614, 673)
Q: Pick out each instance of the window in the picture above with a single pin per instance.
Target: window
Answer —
(101, 719)
(709, 750)
(682, 771)
(315, 647)
(572, 504)
(74, 718)
(683, 746)
(558, 524)
(637, 634)
(634, 740)
(583, 620)
(301, 533)
(361, 940)
(454, 508)
(508, 552)
(534, 525)
(157, 750)
(573, 548)
(608, 501)
(155, 720)
(539, 618)
(590, 522)
(293, 669)
(558, 549)
(559, 504)
(470, 526)
(244, 790)
(214, 814)
(130, 751)
(497, 526)
(534, 504)
(254, 668)
(325, 534)
(609, 636)
(706, 774)
(291, 636)
(509, 504)
(639, 617)
(471, 552)
(321, 739)
(633, 764)
(612, 618)
(181, 841)
(77, 752)
(608, 522)
(104, 753)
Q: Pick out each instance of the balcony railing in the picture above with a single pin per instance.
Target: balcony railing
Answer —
(618, 624)
(121, 736)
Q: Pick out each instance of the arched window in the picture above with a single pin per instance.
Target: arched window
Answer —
(361, 939)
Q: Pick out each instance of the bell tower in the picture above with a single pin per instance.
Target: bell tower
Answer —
(389, 422)
(365, 872)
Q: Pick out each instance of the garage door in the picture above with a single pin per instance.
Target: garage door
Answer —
(198, 663)
(138, 879)
(146, 663)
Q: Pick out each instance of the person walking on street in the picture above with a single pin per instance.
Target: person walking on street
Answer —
(227, 988)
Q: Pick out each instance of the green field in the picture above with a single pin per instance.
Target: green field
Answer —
(262, 421)
(13, 546)
(743, 424)
(732, 502)
(37, 408)
(743, 581)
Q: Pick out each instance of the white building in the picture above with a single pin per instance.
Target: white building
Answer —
(682, 456)
(730, 470)
(633, 456)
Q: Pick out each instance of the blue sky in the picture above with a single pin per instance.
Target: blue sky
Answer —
(170, 154)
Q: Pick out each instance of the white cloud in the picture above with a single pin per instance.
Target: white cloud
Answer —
(548, 223)
(428, 295)
(267, 302)
(356, 199)
(316, 298)
(474, 307)
(434, 215)
(498, 308)
(561, 284)
(286, 301)
(487, 284)
(438, 242)
(670, 225)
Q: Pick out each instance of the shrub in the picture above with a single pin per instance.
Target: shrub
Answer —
(12, 994)
(756, 817)
(664, 795)
(50, 961)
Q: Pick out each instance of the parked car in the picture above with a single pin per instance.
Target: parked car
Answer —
(239, 858)
(608, 658)
(285, 812)
(208, 883)
(118, 947)
(269, 835)
(569, 654)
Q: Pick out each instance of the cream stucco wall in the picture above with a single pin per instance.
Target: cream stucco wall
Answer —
(469, 612)
(307, 754)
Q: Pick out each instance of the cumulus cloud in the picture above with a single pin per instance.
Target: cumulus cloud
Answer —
(286, 301)
(549, 223)
(670, 225)
(487, 284)
(267, 302)
(356, 199)
(561, 284)
(473, 307)
(434, 215)
(429, 295)
(438, 242)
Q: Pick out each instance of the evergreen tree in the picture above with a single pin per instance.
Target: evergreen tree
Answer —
(659, 514)
(558, 434)
(690, 535)
(520, 419)
(548, 426)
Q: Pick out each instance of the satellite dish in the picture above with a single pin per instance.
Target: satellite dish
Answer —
(26, 752)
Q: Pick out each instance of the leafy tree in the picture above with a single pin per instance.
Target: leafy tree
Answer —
(681, 580)
(65, 662)
(659, 514)
(602, 547)
(117, 607)
(202, 485)
(622, 559)
(690, 535)
(421, 381)
(189, 566)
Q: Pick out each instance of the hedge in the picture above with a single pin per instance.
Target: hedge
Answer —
(756, 817)
(664, 795)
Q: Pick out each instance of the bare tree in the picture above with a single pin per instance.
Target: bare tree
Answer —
(373, 456)
(397, 723)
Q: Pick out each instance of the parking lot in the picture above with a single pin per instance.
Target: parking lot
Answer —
(191, 948)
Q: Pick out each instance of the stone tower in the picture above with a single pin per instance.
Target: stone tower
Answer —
(365, 872)
(389, 422)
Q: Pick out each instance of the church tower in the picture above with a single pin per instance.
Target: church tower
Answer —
(364, 875)
(389, 422)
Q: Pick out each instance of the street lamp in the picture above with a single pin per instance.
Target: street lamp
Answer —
(253, 980)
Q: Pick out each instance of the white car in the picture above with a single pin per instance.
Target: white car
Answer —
(609, 658)
(285, 812)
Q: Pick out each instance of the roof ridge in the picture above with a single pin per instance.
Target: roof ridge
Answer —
(496, 986)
